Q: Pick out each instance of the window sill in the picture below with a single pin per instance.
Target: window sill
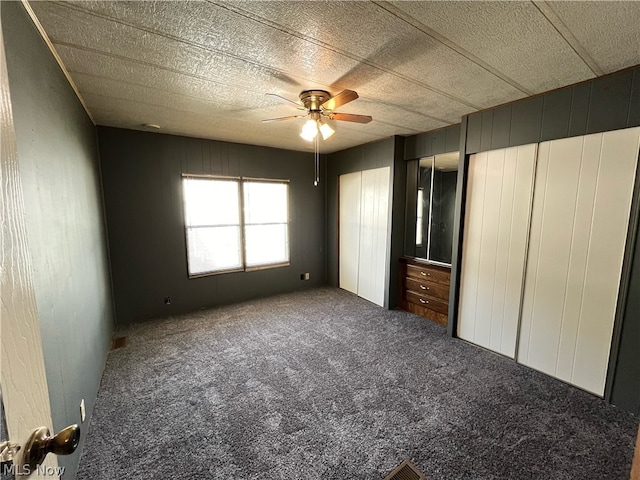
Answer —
(236, 270)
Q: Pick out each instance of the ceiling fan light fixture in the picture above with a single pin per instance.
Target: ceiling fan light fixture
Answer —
(309, 130)
(326, 130)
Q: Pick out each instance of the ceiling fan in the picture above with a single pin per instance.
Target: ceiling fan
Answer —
(319, 104)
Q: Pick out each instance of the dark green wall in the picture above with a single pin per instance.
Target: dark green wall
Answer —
(59, 166)
(611, 102)
(434, 142)
(142, 174)
(384, 153)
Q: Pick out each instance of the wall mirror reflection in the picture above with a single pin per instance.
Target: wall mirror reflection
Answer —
(434, 194)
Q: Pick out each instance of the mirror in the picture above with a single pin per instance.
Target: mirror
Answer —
(431, 194)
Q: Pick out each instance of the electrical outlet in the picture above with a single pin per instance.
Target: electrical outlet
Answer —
(167, 300)
(83, 413)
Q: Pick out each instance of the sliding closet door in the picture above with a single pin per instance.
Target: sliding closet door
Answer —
(372, 264)
(349, 234)
(579, 226)
(499, 192)
(363, 234)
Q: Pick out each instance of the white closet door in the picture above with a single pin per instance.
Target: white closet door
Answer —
(374, 221)
(499, 192)
(349, 234)
(579, 226)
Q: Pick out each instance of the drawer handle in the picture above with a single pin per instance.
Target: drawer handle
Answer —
(425, 274)
(423, 287)
(423, 301)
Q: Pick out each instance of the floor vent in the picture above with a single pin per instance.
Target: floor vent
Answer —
(118, 342)
(405, 471)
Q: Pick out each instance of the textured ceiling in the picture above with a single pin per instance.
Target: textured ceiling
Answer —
(202, 68)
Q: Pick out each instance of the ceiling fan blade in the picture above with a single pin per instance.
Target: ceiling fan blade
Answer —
(283, 99)
(278, 119)
(345, 96)
(350, 117)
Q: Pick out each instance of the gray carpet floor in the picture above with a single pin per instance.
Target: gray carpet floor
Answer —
(321, 384)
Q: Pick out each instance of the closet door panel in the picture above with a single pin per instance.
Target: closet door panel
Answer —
(516, 247)
(496, 226)
(578, 261)
(489, 247)
(373, 234)
(349, 234)
(619, 154)
(553, 205)
(508, 161)
(469, 280)
(579, 225)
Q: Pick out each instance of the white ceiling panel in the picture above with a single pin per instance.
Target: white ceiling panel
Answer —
(609, 31)
(375, 37)
(512, 37)
(201, 68)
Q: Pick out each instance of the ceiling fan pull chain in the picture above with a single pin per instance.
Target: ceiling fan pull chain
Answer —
(316, 161)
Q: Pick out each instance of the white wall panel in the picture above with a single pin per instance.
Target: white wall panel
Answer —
(374, 234)
(579, 224)
(499, 193)
(349, 218)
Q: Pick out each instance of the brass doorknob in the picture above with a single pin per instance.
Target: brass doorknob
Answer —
(41, 442)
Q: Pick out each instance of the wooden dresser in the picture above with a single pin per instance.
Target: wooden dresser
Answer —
(424, 289)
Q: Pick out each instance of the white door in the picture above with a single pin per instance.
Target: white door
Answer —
(374, 221)
(349, 230)
(499, 192)
(580, 217)
(22, 373)
(363, 232)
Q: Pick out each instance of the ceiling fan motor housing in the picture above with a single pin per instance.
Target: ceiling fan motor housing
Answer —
(312, 99)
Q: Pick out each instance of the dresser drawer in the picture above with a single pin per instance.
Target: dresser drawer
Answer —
(428, 273)
(428, 302)
(426, 287)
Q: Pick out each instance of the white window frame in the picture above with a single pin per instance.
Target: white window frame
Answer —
(243, 246)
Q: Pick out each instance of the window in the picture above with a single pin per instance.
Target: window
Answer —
(235, 224)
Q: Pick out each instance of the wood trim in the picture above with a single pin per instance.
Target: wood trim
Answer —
(50, 46)
(635, 465)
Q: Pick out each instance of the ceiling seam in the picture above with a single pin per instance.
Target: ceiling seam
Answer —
(393, 10)
(171, 37)
(262, 66)
(134, 84)
(111, 97)
(139, 62)
(57, 58)
(319, 43)
(556, 22)
(199, 77)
